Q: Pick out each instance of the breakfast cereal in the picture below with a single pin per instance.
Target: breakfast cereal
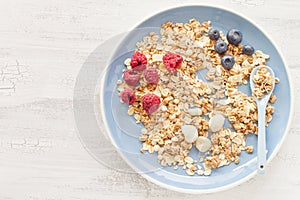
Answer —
(180, 111)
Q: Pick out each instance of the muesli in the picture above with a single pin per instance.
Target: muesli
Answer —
(179, 110)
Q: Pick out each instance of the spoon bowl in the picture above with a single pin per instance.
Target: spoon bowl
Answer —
(261, 109)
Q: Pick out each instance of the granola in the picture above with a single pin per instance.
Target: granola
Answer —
(192, 112)
(263, 82)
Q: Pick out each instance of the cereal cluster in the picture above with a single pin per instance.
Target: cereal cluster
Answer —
(192, 112)
(263, 82)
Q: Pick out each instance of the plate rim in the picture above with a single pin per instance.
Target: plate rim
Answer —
(276, 149)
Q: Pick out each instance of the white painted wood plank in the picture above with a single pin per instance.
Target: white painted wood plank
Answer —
(43, 46)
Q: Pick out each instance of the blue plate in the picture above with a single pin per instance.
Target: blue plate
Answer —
(124, 132)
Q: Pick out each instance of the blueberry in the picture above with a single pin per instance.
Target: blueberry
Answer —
(248, 50)
(213, 34)
(234, 36)
(227, 61)
(220, 46)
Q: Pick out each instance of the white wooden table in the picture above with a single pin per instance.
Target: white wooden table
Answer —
(43, 45)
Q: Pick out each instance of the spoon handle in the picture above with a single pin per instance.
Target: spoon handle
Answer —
(261, 149)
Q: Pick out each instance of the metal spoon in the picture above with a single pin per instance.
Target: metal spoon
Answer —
(261, 108)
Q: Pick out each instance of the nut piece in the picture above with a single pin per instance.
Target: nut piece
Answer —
(157, 57)
(190, 133)
(195, 111)
(216, 122)
(203, 144)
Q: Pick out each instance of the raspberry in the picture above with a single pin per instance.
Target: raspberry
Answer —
(138, 61)
(151, 75)
(131, 77)
(128, 96)
(150, 103)
(172, 61)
